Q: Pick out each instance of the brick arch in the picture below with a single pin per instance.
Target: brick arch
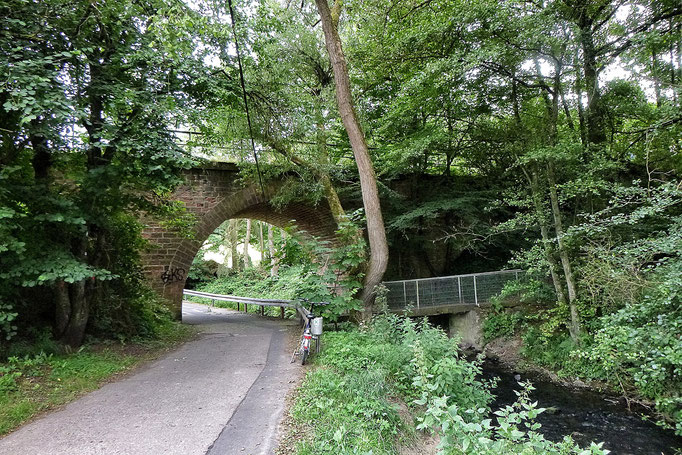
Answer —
(214, 195)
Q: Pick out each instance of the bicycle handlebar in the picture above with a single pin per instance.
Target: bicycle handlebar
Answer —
(313, 305)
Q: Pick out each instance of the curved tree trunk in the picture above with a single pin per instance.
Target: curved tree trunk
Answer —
(376, 234)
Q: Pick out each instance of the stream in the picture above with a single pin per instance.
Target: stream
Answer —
(585, 415)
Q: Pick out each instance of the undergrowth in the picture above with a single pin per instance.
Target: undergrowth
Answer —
(348, 399)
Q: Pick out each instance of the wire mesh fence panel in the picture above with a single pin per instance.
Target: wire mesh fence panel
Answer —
(469, 289)
(490, 285)
(396, 294)
(411, 293)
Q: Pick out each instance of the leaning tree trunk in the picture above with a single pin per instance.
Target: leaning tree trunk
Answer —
(544, 233)
(376, 234)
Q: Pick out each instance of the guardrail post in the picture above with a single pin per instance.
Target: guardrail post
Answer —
(262, 310)
(475, 292)
(404, 294)
(459, 289)
(237, 306)
(281, 314)
(246, 307)
(417, 284)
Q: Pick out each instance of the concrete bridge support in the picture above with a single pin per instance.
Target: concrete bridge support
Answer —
(468, 326)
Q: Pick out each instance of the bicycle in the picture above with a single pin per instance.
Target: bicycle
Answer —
(312, 330)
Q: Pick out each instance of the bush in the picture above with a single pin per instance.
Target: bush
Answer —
(472, 432)
(641, 344)
(502, 324)
(346, 400)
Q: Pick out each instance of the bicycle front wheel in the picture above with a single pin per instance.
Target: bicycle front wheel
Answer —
(304, 357)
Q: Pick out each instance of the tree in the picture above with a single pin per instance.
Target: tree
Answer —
(90, 90)
(376, 234)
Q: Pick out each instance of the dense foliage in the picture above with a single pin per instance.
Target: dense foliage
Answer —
(351, 400)
(307, 268)
(88, 93)
(545, 135)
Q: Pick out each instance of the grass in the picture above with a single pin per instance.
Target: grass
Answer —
(349, 410)
(32, 385)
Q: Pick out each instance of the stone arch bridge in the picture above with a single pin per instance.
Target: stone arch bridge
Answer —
(214, 194)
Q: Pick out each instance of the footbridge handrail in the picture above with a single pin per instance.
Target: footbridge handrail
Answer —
(448, 291)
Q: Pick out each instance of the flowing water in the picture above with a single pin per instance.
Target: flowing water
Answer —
(586, 415)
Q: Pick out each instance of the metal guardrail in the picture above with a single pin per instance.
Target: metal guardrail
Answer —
(469, 289)
(237, 299)
(249, 301)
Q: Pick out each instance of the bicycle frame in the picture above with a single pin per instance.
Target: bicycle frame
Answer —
(306, 338)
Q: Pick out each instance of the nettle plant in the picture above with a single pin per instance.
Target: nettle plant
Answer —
(513, 431)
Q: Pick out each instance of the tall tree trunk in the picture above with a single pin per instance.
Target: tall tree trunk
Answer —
(42, 156)
(234, 238)
(533, 181)
(376, 234)
(275, 267)
(247, 241)
(595, 110)
(74, 332)
(579, 102)
(657, 82)
(551, 126)
(62, 308)
(574, 326)
(261, 243)
(73, 327)
(271, 247)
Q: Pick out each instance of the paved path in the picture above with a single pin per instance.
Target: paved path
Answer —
(220, 394)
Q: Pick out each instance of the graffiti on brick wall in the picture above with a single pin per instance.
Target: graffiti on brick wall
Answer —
(172, 275)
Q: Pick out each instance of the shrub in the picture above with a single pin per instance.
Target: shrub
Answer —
(641, 344)
(472, 432)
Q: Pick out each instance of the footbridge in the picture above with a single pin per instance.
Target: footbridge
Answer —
(447, 294)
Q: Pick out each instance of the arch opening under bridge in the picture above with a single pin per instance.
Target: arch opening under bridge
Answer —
(214, 195)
